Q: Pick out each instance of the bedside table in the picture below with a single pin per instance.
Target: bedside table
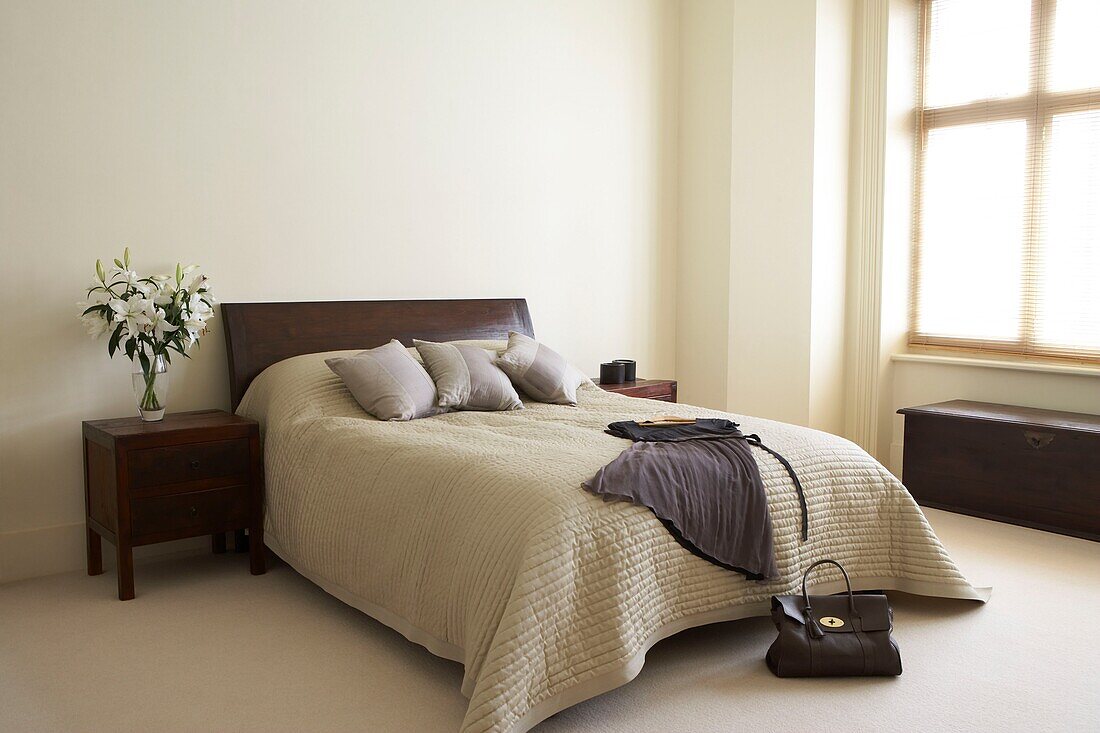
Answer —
(192, 473)
(654, 389)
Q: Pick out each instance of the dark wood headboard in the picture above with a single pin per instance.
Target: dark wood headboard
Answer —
(259, 334)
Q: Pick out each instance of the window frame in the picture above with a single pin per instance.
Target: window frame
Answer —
(1037, 108)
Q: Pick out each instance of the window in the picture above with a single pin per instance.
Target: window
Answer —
(1006, 252)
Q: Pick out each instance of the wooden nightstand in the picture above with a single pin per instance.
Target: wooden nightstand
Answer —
(654, 389)
(191, 474)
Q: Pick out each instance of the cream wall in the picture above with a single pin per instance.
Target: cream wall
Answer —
(319, 150)
(765, 96)
(832, 113)
(703, 261)
(772, 213)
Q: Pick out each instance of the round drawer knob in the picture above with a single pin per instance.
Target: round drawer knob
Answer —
(194, 511)
(194, 464)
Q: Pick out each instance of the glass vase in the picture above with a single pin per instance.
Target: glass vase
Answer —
(150, 382)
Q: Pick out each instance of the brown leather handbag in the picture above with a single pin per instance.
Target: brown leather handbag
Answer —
(833, 636)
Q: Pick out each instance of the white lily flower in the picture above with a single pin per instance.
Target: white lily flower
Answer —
(195, 328)
(199, 308)
(95, 324)
(198, 282)
(132, 312)
(165, 295)
(127, 276)
(160, 326)
(137, 309)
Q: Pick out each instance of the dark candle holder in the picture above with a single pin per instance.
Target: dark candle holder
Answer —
(631, 372)
(612, 372)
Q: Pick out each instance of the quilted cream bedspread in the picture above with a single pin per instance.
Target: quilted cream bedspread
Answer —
(470, 534)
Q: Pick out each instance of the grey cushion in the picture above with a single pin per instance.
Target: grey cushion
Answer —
(542, 373)
(387, 382)
(466, 377)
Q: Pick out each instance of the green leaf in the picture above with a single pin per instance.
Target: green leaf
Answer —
(112, 345)
(144, 361)
(131, 345)
(93, 308)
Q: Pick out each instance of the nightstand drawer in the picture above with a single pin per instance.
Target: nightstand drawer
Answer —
(189, 462)
(197, 512)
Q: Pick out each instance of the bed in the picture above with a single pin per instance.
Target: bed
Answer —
(469, 533)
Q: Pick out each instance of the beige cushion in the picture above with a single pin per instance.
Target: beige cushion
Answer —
(388, 382)
(542, 373)
(466, 377)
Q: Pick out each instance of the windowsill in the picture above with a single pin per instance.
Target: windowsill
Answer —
(1021, 365)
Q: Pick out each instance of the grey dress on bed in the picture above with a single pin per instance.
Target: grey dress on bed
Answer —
(706, 490)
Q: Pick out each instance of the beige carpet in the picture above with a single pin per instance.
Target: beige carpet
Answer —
(206, 646)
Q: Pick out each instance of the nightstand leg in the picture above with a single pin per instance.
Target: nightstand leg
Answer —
(217, 542)
(257, 557)
(125, 572)
(95, 553)
(240, 541)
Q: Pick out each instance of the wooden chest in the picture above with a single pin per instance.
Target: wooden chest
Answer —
(1036, 468)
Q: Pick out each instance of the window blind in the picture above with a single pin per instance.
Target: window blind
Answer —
(1006, 252)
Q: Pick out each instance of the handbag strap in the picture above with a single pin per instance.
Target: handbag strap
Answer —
(807, 610)
(754, 439)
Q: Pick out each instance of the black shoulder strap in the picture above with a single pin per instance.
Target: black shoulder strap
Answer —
(755, 440)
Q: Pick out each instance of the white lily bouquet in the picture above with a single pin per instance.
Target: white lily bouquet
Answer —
(147, 318)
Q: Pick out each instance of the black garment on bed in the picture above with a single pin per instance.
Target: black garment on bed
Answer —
(704, 429)
(701, 481)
